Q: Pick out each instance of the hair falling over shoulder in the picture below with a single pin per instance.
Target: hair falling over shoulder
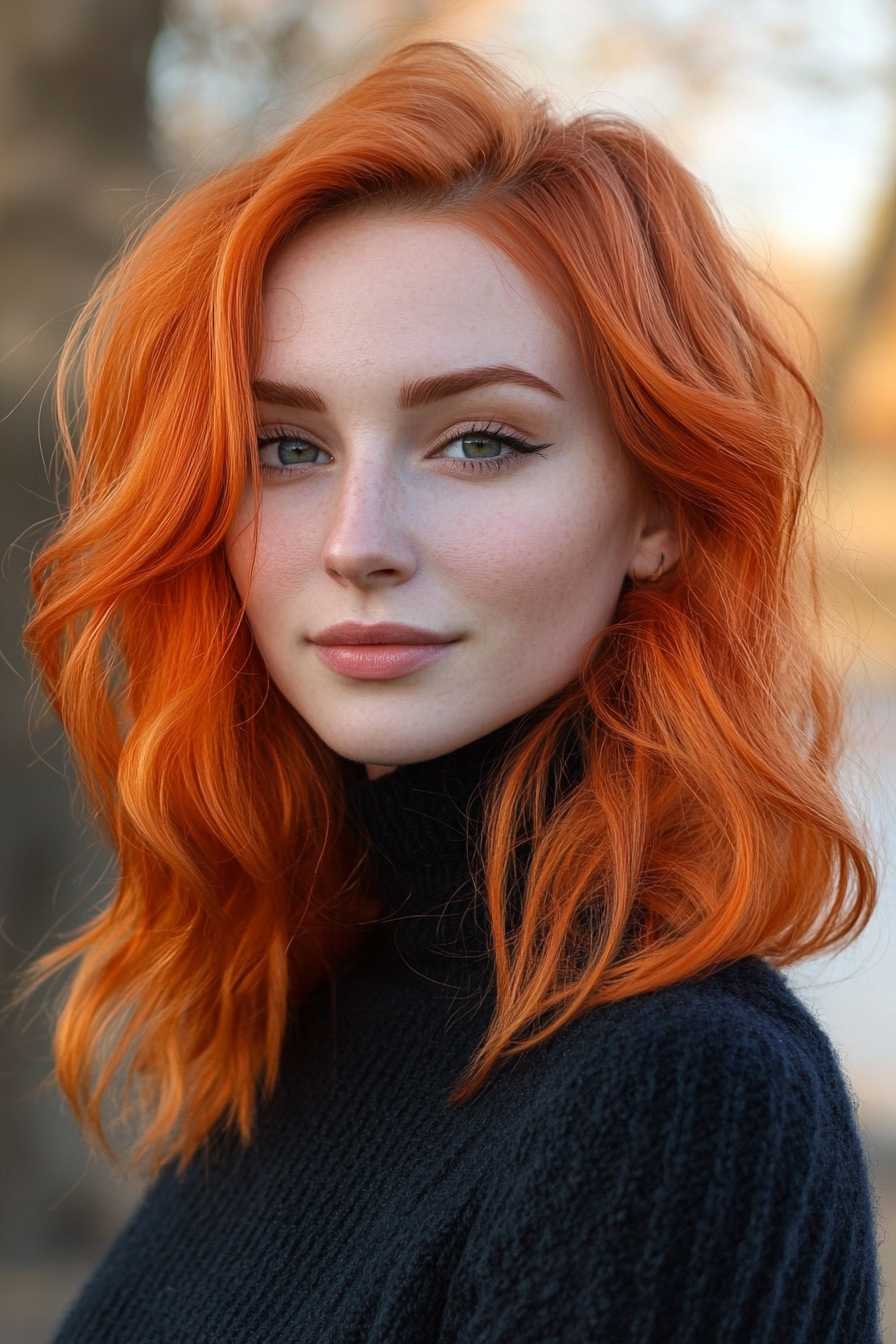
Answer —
(704, 824)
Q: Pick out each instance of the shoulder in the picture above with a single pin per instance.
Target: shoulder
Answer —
(732, 1059)
(744, 1017)
(683, 1165)
(714, 1109)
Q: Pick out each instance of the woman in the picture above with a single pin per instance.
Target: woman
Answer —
(445, 439)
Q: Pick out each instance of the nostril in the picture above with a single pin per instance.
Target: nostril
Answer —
(363, 565)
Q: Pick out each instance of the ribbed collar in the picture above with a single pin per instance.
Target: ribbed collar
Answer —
(421, 826)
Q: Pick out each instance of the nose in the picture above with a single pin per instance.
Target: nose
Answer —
(367, 543)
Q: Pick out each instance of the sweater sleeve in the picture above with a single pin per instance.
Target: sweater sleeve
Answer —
(716, 1192)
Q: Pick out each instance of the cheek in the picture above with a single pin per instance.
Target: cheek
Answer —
(267, 560)
(239, 548)
(549, 566)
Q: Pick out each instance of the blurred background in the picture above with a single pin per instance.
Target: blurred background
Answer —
(786, 109)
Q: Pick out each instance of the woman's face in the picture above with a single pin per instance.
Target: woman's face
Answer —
(445, 520)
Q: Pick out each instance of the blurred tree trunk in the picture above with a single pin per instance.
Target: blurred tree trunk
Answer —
(873, 293)
(74, 157)
(74, 161)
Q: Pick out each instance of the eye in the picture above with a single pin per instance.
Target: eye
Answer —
(490, 444)
(474, 447)
(285, 450)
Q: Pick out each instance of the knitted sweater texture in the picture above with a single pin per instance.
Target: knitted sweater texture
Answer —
(679, 1168)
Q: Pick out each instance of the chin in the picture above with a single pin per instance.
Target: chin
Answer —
(399, 737)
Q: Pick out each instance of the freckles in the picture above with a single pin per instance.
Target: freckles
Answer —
(283, 563)
(552, 566)
(504, 569)
(270, 562)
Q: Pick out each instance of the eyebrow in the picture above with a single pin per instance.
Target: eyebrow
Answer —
(288, 394)
(465, 380)
(420, 393)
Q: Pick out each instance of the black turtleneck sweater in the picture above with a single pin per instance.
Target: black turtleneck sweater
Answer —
(680, 1167)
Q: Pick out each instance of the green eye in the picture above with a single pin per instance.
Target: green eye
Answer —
(290, 452)
(294, 450)
(474, 446)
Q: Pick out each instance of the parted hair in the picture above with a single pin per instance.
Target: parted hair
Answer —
(702, 822)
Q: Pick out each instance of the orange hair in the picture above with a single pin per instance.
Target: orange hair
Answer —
(705, 823)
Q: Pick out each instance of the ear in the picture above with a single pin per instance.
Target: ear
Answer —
(658, 548)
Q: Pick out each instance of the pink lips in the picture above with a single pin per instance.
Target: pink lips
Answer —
(379, 652)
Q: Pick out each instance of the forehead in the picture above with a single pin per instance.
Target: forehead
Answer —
(427, 294)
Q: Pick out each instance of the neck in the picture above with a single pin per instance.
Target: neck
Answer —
(378, 771)
(421, 825)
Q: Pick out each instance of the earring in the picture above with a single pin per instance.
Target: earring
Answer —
(658, 572)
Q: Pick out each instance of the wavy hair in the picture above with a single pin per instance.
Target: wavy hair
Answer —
(703, 823)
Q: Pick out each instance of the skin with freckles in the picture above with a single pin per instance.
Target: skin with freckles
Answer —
(433, 457)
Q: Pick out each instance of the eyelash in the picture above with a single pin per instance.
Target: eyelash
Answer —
(274, 434)
(516, 443)
(518, 447)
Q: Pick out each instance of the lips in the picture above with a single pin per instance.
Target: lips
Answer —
(380, 652)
